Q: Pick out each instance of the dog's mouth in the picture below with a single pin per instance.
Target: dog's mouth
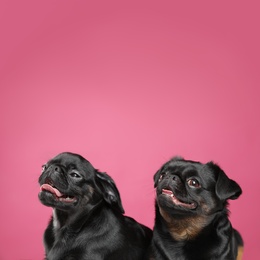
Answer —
(177, 202)
(49, 187)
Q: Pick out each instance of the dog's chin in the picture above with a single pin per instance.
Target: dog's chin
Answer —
(168, 200)
(52, 197)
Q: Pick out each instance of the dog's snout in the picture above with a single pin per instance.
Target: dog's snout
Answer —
(57, 169)
(176, 178)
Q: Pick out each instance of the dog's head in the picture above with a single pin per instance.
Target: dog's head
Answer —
(69, 181)
(187, 188)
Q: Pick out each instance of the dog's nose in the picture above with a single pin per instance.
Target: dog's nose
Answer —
(176, 178)
(57, 169)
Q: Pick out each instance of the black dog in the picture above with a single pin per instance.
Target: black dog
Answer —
(191, 220)
(88, 221)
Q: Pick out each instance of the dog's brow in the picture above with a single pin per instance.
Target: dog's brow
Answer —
(190, 172)
(72, 166)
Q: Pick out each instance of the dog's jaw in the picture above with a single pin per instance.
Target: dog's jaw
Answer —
(177, 202)
(51, 196)
(51, 189)
(57, 194)
(184, 229)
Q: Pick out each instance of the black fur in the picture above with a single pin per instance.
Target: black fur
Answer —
(88, 221)
(191, 220)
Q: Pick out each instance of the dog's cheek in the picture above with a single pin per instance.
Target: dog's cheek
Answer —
(205, 208)
(208, 205)
(87, 195)
(164, 202)
(41, 178)
(156, 178)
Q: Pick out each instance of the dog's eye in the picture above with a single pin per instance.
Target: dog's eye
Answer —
(162, 175)
(75, 175)
(193, 183)
(44, 167)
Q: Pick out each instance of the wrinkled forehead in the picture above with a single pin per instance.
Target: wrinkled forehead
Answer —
(189, 168)
(72, 161)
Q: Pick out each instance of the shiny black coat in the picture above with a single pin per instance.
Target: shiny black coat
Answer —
(87, 221)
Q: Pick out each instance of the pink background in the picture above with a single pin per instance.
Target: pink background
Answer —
(127, 85)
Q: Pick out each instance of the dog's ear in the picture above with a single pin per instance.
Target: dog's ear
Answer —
(225, 187)
(109, 191)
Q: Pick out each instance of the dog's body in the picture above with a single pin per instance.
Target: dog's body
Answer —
(88, 221)
(191, 220)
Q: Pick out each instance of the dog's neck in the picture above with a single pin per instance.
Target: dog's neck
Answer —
(55, 220)
(75, 220)
(183, 229)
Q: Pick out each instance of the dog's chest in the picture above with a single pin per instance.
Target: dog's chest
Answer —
(66, 246)
(57, 250)
(57, 232)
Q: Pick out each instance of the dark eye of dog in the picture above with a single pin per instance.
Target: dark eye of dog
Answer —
(162, 175)
(193, 183)
(44, 167)
(75, 175)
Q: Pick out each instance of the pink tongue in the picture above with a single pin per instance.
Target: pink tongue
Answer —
(51, 189)
(169, 192)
